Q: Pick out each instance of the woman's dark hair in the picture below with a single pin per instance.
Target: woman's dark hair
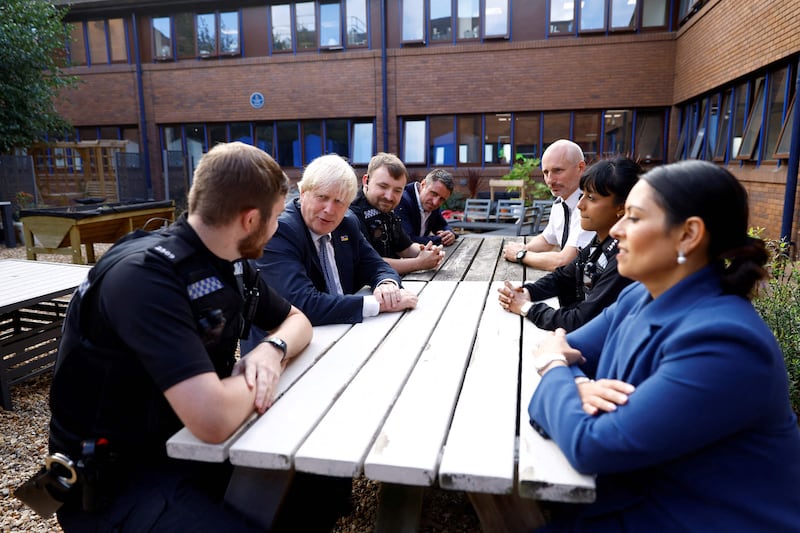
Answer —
(611, 177)
(703, 189)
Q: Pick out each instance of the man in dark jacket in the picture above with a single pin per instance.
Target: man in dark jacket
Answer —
(420, 209)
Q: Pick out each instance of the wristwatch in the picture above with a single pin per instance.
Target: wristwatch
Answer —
(542, 361)
(524, 308)
(521, 255)
(278, 343)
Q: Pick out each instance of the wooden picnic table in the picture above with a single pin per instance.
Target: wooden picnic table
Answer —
(428, 397)
(31, 316)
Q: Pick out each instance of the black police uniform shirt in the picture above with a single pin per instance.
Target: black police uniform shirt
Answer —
(141, 336)
(384, 231)
(583, 289)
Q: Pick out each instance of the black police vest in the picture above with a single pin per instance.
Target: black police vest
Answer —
(86, 357)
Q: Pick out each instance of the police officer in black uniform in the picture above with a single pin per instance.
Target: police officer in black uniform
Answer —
(383, 187)
(589, 283)
(149, 346)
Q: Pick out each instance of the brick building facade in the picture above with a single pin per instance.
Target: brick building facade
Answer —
(442, 88)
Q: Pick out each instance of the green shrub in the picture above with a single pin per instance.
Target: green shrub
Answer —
(523, 170)
(778, 303)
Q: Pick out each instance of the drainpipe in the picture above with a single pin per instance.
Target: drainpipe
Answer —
(142, 120)
(791, 171)
(384, 91)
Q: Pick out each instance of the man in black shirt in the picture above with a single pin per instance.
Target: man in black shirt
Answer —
(149, 346)
(374, 206)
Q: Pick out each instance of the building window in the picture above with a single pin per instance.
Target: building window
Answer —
(526, 135)
(184, 33)
(117, 41)
(497, 139)
(753, 127)
(649, 138)
(281, 28)
(77, 44)
(654, 13)
(617, 132)
(623, 14)
(469, 19)
(356, 17)
(330, 25)
(592, 15)
(562, 15)
(442, 145)
(229, 33)
(336, 139)
(413, 21)
(206, 35)
(469, 139)
(723, 131)
(441, 22)
(312, 140)
(240, 131)
(775, 109)
(739, 116)
(98, 47)
(496, 18)
(555, 126)
(785, 138)
(265, 137)
(305, 26)
(363, 142)
(414, 141)
(162, 38)
(586, 133)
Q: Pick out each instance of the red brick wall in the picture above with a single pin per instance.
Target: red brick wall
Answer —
(105, 96)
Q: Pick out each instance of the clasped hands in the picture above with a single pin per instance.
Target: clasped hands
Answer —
(512, 297)
(430, 255)
(603, 395)
(393, 298)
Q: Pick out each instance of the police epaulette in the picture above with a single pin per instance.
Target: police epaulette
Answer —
(172, 248)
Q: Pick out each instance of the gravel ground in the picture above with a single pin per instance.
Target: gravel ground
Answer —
(23, 445)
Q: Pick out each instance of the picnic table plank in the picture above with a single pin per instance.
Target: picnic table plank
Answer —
(26, 282)
(362, 407)
(485, 420)
(459, 262)
(184, 445)
(273, 439)
(407, 449)
(427, 275)
(485, 262)
(509, 270)
(543, 471)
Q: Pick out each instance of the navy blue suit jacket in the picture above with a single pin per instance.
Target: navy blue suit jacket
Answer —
(707, 441)
(290, 265)
(408, 211)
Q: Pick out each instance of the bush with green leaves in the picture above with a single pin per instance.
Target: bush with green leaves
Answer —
(523, 169)
(778, 302)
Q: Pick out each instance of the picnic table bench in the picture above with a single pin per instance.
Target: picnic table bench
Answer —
(31, 315)
(429, 397)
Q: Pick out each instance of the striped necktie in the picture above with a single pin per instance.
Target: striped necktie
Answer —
(327, 268)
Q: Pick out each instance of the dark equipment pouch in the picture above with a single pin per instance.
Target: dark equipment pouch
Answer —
(50, 487)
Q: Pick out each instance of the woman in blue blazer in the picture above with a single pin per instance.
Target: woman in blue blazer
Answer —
(688, 426)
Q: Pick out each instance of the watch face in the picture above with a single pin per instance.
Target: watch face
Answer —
(521, 254)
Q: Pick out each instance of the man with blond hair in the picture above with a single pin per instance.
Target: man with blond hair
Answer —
(558, 244)
(318, 258)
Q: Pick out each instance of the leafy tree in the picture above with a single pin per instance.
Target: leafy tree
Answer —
(32, 43)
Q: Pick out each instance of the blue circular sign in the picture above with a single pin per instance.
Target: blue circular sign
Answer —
(257, 100)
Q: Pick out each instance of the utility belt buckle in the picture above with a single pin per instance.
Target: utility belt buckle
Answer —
(47, 490)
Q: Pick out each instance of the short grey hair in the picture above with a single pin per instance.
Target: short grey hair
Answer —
(442, 176)
(330, 172)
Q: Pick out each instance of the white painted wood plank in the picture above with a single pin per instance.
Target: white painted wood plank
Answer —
(408, 447)
(184, 445)
(340, 441)
(479, 454)
(25, 282)
(544, 472)
(273, 439)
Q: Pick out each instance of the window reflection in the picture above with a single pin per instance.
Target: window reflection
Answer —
(469, 21)
(414, 142)
(623, 14)
(496, 21)
(587, 134)
(330, 24)
(442, 149)
(288, 144)
(469, 138)
(721, 142)
(617, 132)
(413, 20)
(162, 38)
(356, 11)
(592, 15)
(305, 25)
(98, 49)
(774, 118)
(281, 27)
(441, 21)
(312, 140)
(184, 33)
(206, 35)
(526, 135)
(562, 14)
(363, 142)
(649, 139)
(497, 141)
(229, 33)
(555, 126)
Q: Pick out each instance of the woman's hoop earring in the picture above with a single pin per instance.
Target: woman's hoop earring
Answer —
(681, 257)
